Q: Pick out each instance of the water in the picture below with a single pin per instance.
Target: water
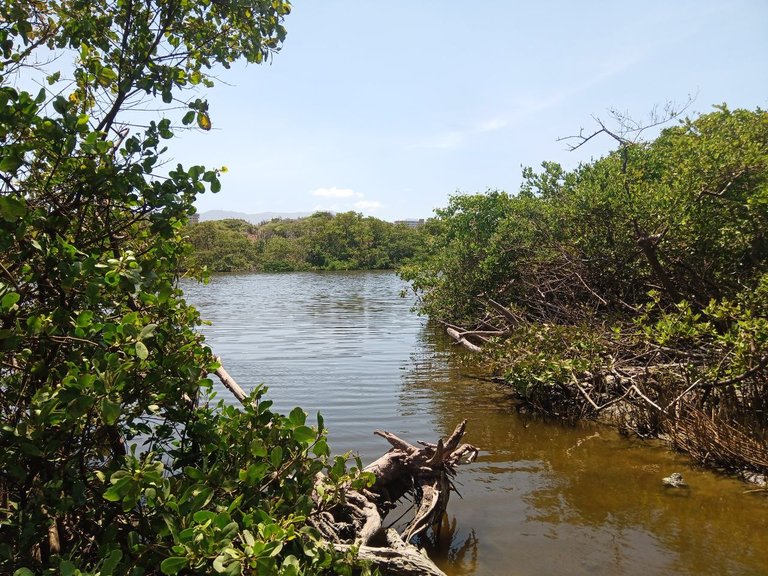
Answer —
(542, 498)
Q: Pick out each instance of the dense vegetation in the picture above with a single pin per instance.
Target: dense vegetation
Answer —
(323, 241)
(111, 459)
(635, 284)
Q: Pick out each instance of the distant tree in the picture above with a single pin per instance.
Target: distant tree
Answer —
(323, 241)
(223, 246)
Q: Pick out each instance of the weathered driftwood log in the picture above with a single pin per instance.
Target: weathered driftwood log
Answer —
(461, 339)
(424, 473)
(230, 382)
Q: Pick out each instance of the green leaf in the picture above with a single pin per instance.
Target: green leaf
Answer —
(258, 449)
(203, 516)
(84, 319)
(60, 104)
(110, 411)
(276, 456)
(321, 448)
(188, 118)
(11, 209)
(79, 406)
(113, 494)
(164, 128)
(119, 489)
(304, 435)
(218, 563)
(297, 417)
(173, 564)
(111, 562)
(11, 163)
(9, 300)
(193, 473)
(141, 350)
(148, 331)
(204, 121)
(106, 76)
(25, 572)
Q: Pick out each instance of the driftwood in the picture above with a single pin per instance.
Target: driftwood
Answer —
(461, 339)
(423, 473)
(230, 382)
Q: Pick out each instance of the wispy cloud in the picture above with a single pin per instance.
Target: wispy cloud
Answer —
(336, 193)
(344, 200)
(368, 205)
(492, 125)
(521, 108)
(450, 139)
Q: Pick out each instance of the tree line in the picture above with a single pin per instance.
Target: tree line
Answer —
(641, 276)
(322, 241)
(635, 286)
(114, 457)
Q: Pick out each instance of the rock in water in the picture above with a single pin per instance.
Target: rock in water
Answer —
(675, 480)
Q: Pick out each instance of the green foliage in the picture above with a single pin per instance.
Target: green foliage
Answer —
(656, 253)
(222, 246)
(323, 241)
(684, 215)
(109, 462)
(539, 357)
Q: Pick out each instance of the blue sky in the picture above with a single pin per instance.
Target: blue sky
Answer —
(387, 108)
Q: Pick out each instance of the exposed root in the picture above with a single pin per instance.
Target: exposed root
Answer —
(424, 474)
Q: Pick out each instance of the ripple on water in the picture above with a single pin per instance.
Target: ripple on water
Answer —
(542, 498)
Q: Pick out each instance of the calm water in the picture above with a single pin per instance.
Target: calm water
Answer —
(542, 498)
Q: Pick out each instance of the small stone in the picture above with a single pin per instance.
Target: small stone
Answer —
(675, 480)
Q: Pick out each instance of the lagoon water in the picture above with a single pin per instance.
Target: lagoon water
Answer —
(542, 498)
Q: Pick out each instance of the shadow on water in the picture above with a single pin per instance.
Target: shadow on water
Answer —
(542, 498)
(549, 498)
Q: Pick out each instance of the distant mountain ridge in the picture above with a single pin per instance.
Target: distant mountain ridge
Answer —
(257, 218)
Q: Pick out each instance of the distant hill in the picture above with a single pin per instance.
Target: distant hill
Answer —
(257, 218)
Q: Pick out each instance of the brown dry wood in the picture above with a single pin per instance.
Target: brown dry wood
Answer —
(397, 558)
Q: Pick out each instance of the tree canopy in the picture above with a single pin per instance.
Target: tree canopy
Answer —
(111, 459)
(323, 241)
(647, 268)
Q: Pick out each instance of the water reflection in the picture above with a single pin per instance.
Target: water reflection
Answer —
(455, 551)
(542, 497)
(549, 498)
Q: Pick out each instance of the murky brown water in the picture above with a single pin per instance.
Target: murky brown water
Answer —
(543, 498)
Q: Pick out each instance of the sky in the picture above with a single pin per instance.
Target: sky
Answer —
(389, 108)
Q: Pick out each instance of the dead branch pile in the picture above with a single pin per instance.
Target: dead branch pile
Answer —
(716, 442)
(643, 387)
(423, 473)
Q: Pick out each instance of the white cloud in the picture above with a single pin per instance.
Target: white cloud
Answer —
(344, 200)
(368, 205)
(450, 139)
(444, 140)
(492, 125)
(336, 193)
